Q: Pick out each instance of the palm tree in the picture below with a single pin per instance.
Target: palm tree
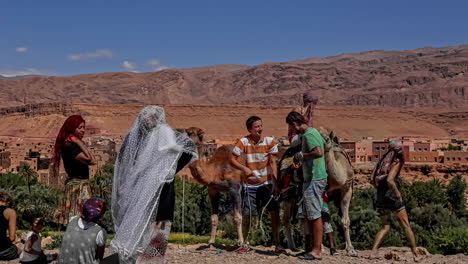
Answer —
(29, 173)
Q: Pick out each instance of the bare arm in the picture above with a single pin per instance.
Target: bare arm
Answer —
(10, 215)
(391, 180)
(373, 176)
(273, 163)
(314, 154)
(85, 160)
(28, 248)
(238, 165)
(297, 109)
(100, 252)
(85, 156)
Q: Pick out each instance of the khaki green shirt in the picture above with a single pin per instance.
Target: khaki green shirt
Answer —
(313, 169)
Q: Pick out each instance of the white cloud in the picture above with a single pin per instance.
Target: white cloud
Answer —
(26, 71)
(160, 68)
(153, 62)
(129, 66)
(21, 49)
(99, 53)
(156, 65)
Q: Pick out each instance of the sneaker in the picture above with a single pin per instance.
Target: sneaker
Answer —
(243, 248)
(333, 251)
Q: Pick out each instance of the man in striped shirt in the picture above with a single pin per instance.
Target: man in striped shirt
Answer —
(259, 182)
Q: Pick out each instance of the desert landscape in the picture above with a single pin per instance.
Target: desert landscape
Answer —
(425, 77)
(375, 95)
(227, 121)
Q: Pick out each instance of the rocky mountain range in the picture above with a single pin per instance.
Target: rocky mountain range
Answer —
(426, 77)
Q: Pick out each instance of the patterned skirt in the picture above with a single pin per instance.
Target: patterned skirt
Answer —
(156, 250)
(77, 191)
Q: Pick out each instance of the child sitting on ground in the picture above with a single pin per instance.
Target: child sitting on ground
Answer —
(32, 251)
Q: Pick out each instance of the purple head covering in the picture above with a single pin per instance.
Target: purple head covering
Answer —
(93, 209)
(310, 98)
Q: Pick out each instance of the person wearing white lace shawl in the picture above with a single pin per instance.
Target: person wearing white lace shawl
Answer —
(143, 186)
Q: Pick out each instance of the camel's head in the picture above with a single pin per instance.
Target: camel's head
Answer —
(196, 134)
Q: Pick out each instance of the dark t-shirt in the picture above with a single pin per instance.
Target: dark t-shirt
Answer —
(73, 167)
(167, 196)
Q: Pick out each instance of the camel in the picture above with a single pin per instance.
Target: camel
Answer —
(340, 187)
(218, 175)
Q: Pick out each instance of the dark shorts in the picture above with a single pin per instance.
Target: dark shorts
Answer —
(386, 199)
(9, 253)
(42, 259)
(255, 198)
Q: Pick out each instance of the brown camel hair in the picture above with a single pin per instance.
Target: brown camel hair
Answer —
(220, 177)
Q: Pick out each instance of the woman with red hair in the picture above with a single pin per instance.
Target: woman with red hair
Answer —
(76, 160)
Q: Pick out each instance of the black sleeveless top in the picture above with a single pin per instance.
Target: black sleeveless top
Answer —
(74, 168)
(5, 242)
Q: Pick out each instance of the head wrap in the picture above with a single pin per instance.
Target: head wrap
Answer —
(93, 209)
(310, 98)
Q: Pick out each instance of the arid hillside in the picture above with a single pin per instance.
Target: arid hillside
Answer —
(426, 77)
(228, 121)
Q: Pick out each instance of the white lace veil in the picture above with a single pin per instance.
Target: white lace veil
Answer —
(147, 159)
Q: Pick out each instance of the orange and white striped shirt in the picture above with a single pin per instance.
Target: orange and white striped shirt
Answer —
(257, 156)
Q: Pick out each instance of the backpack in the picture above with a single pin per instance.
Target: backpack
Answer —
(395, 150)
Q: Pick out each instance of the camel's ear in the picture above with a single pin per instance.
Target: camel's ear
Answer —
(334, 138)
(189, 131)
(337, 140)
(323, 132)
(201, 134)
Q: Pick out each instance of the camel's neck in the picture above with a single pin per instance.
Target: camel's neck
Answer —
(338, 166)
(201, 156)
(330, 161)
(198, 172)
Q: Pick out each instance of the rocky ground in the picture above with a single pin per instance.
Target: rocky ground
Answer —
(203, 254)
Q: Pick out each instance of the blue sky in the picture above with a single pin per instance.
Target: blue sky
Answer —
(76, 37)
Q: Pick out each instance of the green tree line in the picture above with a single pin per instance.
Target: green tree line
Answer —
(437, 214)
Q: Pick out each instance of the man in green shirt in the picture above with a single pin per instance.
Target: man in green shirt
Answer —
(315, 179)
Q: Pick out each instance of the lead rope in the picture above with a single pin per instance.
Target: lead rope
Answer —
(183, 211)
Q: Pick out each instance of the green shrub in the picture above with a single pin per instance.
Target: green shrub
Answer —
(432, 217)
(450, 240)
(419, 194)
(101, 186)
(456, 194)
(197, 206)
(42, 200)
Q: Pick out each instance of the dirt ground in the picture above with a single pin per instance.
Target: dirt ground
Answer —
(203, 254)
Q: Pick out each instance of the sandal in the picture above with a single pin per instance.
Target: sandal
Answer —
(309, 256)
(280, 250)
